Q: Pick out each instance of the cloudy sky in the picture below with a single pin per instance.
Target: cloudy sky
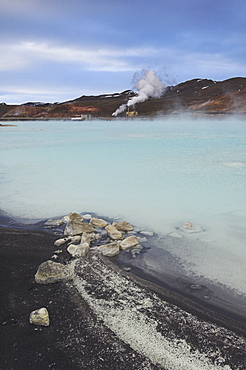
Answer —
(55, 50)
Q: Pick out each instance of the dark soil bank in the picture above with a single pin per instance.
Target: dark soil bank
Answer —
(76, 337)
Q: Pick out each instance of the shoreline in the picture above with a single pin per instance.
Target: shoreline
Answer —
(22, 253)
(137, 270)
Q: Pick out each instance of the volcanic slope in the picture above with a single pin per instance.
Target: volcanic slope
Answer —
(197, 96)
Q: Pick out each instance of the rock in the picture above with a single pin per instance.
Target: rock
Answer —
(74, 216)
(88, 237)
(188, 227)
(98, 222)
(52, 272)
(147, 233)
(77, 227)
(123, 226)
(128, 269)
(113, 232)
(87, 216)
(129, 242)
(136, 250)
(109, 250)
(78, 250)
(74, 239)
(59, 242)
(52, 222)
(40, 317)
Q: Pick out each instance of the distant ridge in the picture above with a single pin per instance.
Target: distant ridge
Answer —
(196, 96)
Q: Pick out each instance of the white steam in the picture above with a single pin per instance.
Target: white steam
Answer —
(148, 86)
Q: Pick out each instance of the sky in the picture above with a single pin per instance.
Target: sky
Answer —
(58, 50)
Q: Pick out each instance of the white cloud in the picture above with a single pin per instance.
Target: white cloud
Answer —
(23, 54)
(115, 59)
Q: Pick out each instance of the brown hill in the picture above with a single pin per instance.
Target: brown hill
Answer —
(199, 96)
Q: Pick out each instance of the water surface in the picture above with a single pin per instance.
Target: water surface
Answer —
(155, 174)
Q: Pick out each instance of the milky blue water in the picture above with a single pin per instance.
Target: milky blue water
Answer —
(155, 174)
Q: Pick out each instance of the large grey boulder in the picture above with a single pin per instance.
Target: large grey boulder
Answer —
(129, 242)
(52, 272)
(40, 317)
(113, 232)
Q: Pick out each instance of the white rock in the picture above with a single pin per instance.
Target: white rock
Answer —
(129, 242)
(147, 233)
(77, 227)
(59, 242)
(78, 250)
(52, 222)
(123, 226)
(40, 317)
(87, 216)
(109, 250)
(113, 232)
(75, 239)
(98, 222)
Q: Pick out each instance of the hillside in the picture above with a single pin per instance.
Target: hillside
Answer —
(197, 96)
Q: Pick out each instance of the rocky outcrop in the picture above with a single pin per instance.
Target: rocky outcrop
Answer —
(52, 272)
(40, 317)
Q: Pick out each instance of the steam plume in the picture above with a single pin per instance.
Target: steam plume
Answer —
(149, 85)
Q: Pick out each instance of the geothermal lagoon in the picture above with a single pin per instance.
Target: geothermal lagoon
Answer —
(157, 175)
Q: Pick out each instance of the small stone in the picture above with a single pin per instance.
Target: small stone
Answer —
(113, 232)
(123, 226)
(188, 227)
(74, 216)
(87, 216)
(78, 250)
(129, 242)
(147, 233)
(52, 222)
(109, 250)
(127, 269)
(75, 239)
(59, 242)
(50, 272)
(55, 256)
(98, 222)
(87, 238)
(40, 317)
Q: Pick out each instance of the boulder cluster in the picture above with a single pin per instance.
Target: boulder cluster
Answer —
(82, 234)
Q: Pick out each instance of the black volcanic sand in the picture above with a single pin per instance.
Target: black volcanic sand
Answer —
(76, 337)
